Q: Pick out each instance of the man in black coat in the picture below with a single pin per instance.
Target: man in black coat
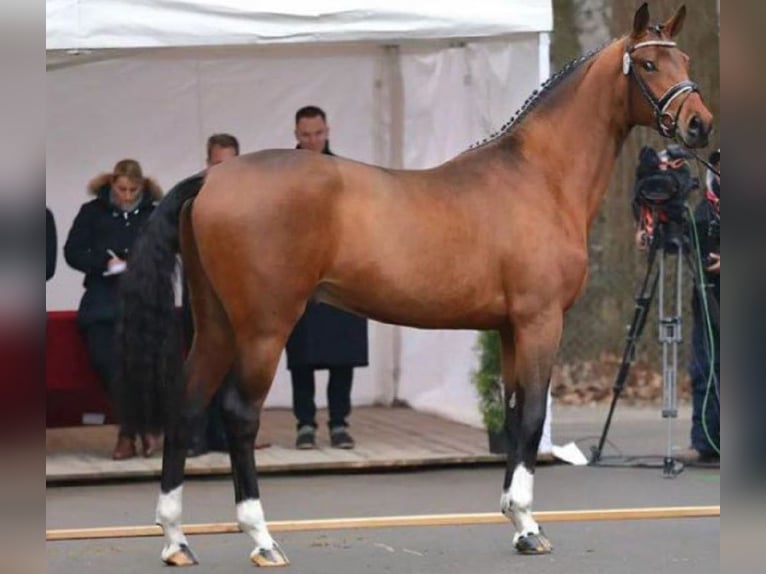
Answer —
(324, 337)
(705, 367)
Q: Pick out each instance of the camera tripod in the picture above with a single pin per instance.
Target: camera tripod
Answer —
(668, 240)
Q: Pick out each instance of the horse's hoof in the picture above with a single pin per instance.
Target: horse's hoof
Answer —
(184, 556)
(533, 544)
(267, 558)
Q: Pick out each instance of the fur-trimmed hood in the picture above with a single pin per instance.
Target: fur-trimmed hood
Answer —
(103, 180)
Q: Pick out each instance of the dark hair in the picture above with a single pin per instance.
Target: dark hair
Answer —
(715, 157)
(222, 140)
(310, 112)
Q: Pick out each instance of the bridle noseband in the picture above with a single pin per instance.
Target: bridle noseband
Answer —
(667, 123)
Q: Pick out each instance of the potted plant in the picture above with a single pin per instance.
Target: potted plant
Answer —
(487, 380)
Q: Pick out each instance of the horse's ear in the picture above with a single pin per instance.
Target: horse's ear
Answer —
(641, 20)
(674, 25)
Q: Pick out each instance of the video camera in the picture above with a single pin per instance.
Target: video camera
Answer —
(664, 182)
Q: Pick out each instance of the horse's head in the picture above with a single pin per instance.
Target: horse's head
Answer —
(664, 94)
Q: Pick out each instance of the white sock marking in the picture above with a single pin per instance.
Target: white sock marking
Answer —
(252, 522)
(516, 502)
(168, 516)
(522, 485)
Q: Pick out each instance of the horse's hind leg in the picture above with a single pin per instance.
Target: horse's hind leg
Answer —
(259, 355)
(211, 355)
(528, 354)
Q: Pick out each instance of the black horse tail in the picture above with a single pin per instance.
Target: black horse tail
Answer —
(149, 350)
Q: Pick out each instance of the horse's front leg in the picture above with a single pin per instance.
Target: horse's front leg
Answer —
(528, 353)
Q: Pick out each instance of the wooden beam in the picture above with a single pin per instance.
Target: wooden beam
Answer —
(394, 521)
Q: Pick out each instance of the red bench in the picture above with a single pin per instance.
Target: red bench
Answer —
(71, 386)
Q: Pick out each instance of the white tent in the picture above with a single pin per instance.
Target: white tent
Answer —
(405, 84)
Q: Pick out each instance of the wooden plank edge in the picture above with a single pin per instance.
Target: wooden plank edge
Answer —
(394, 521)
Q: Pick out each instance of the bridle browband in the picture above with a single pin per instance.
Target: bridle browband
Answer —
(667, 122)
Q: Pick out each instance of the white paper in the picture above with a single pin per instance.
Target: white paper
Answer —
(116, 269)
(570, 453)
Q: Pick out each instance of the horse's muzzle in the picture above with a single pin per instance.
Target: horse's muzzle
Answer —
(697, 132)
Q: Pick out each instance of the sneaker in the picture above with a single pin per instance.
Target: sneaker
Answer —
(306, 438)
(339, 438)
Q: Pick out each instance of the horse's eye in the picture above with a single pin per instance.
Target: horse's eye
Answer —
(650, 67)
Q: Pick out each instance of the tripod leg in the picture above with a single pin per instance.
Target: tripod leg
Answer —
(641, 310)
(670, 337)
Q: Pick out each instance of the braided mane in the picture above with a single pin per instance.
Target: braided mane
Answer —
(540, 94)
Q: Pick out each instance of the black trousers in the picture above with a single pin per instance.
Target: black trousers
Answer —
(338, 395)
(710, 411)
(99, 339)
(208, 430)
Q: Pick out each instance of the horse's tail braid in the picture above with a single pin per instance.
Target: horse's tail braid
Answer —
(148, 331)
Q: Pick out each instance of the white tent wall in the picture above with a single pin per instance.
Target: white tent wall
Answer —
(413, 106)
(160, 108)
(469, 92)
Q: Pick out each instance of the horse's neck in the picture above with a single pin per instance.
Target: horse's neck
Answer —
(579, 140)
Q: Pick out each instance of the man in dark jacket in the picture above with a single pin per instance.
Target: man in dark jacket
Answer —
(324, 337)
(705, 367)
(208, 432)
(98, 244)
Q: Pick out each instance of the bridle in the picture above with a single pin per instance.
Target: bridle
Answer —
(665, 120)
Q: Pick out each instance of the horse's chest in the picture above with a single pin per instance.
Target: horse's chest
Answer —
(551, 274)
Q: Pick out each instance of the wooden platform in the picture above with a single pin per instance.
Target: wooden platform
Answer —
(385, 437)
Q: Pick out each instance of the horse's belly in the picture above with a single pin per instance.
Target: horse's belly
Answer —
(438, 306)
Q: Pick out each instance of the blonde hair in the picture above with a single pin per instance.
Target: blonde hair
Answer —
(130, 169)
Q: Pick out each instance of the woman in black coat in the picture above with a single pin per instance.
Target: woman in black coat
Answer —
(98, 244)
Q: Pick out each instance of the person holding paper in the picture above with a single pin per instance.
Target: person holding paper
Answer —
(98, 244)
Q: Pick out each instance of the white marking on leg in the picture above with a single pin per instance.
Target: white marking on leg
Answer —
(546, 442)
(252, 522)
(168, 516)
(516, 502)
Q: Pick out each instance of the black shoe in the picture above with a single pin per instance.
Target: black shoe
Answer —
(197, 449)
(217, 444)
(197, 446)
(692, 456)
(306, 438)
(339, 438)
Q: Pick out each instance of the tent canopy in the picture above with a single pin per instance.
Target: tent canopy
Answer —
(100, 24)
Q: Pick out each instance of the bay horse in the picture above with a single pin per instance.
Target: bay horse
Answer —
(495, 238)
